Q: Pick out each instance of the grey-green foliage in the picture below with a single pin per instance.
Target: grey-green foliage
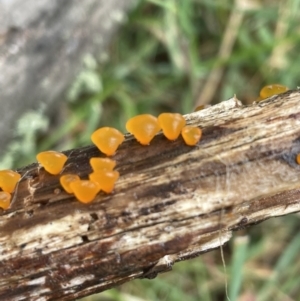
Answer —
(161, 61)
(24, 144)
(87, 81)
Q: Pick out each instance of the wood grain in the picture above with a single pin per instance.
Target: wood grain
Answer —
(171, 203)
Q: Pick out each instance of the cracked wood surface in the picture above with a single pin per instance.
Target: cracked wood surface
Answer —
(171, 203)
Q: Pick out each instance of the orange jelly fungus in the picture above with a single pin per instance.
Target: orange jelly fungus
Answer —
(102, 164)
(66, 181)
(52, 161)
(5, 198)
(9, 180)
(143, 127)
(85, 190)
(271, 90)
(105, 178)
(171, 124)
(298, 159)
(191, 135)
(107, 139)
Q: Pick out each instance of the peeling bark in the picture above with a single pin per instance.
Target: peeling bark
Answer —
(171, 203)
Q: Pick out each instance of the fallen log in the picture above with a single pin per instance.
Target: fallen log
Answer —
(171, 203)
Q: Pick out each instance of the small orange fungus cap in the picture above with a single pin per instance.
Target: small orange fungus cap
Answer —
(143, 127)
(66, 180)
(171, 124)
(105, 178)
(9, 180)
(5, 198)
(298, 159)
(52, 161)
(107, 140)
(191, 135)
(102, 164)
(271, 90)
(85, 190)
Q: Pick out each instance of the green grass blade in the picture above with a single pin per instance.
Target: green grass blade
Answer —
(239, 256)
(286, 259)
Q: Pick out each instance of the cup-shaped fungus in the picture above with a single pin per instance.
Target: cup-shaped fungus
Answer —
(191, 135)
(171, 124)
(105, 178)
(5, 198)
(52, 161)
(271, 90)
(85, 191)
(107, 140)
(102, 164)
(9, 180)
(143, 127)
(66, 181)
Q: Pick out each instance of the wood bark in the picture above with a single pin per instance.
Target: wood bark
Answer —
(42, 45)
(171, 203)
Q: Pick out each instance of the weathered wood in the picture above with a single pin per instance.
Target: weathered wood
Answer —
(172, 202)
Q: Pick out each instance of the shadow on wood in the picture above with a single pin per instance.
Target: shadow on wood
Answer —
(171, 203)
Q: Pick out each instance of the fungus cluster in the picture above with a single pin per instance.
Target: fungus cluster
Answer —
(8, 182)
(103, 178)
(143, 127)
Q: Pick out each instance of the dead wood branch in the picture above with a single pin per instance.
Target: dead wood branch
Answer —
(172, 202)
